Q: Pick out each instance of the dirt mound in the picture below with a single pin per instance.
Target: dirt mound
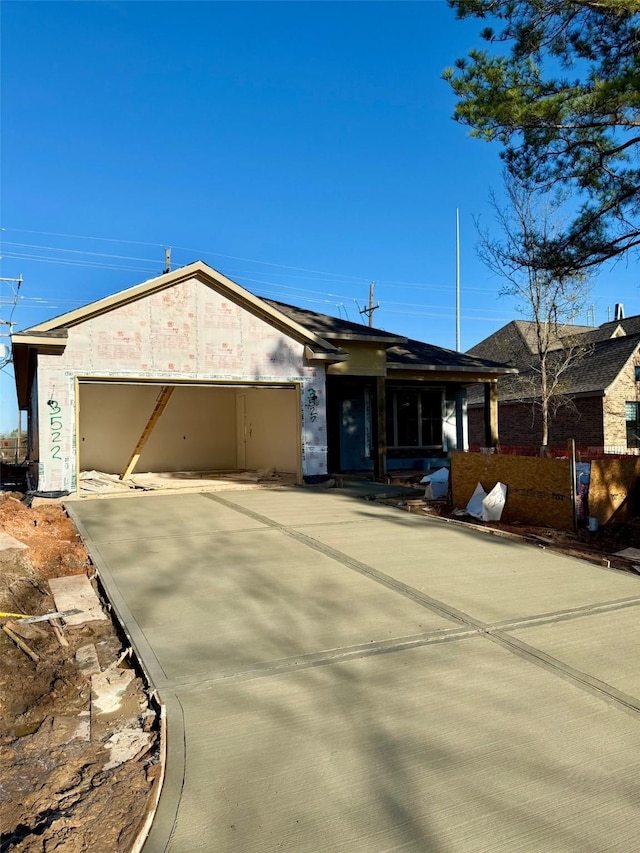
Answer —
(61, 788)
(54, 546)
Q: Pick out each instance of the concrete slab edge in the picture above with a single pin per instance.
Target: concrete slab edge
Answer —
(602, 562)
(157, 827)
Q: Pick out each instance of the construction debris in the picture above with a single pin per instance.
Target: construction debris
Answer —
(485, 506)
(96, 481)
(21, 644)
(629, 553)
(64, 785)
(8, 542)
(493, 504)
(76, 595)
(87, 660)
(436, 484)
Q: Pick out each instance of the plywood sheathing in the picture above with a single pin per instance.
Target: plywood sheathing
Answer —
(613, 489)
(538, 490)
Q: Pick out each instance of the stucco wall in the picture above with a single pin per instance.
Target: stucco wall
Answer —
(186, 332)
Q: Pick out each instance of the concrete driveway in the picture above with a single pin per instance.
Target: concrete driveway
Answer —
(344, 677)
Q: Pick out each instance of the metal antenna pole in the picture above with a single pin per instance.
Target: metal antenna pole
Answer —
(457, 280)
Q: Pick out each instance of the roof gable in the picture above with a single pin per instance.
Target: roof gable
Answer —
(593, 373)
(516, 342)
(204, 274)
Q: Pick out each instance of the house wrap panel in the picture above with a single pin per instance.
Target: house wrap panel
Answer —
(187, 331)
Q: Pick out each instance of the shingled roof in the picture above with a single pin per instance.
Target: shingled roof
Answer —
(615, 328)
(515, 343)
(402, 353)
(418, 354)
(590, 374)
(333, 327)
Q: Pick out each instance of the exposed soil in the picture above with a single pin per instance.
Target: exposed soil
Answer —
(60, 788)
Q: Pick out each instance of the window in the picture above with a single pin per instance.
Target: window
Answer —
(414, 417)
(633, 425)
(637, 373)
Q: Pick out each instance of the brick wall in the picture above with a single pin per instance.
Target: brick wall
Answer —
(518, 427)
(625, 389)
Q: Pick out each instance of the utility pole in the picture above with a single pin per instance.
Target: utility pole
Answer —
(369, 311)
(167, 260)
(11, 323)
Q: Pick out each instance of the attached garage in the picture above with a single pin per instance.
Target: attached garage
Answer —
(204, 426)
(244, 385)
(190, 372)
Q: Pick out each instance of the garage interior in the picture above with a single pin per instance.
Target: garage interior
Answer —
(197, 430)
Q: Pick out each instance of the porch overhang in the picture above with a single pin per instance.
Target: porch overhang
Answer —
(25, 347)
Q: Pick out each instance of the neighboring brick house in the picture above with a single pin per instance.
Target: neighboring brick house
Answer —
(602, 386)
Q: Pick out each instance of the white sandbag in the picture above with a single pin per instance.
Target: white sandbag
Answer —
(474, 507)
(494, 502)
(436, 484)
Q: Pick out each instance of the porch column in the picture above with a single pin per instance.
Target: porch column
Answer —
(462, 422)
(380, 430)
(491, 414)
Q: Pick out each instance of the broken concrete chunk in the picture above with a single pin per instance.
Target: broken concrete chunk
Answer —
(66, 729)
(126, 745)
(87, 660)
(76, 593)
(108, 688)
(8, 542)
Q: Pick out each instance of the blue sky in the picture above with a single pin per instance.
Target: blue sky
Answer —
(302, 148)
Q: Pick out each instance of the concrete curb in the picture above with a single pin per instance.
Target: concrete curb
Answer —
(157, 828)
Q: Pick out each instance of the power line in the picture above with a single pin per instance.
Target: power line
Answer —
(74, 263)
(181, 248)
(78, 251)
(275, 286)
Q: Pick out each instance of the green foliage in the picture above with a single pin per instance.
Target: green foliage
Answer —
(563, 99)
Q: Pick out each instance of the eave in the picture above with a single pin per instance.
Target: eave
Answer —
(334, 357)
(26, 346)
(490, 372)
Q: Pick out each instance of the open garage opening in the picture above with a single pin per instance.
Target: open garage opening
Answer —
(202, 431)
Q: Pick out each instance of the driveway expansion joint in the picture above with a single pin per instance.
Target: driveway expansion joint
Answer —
(492, 632)
(166, 829)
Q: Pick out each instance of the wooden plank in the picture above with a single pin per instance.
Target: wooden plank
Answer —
(538, 490)
(614, 489)
(491, 414)
(380, 430)
(163, 398)
(571, 452)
